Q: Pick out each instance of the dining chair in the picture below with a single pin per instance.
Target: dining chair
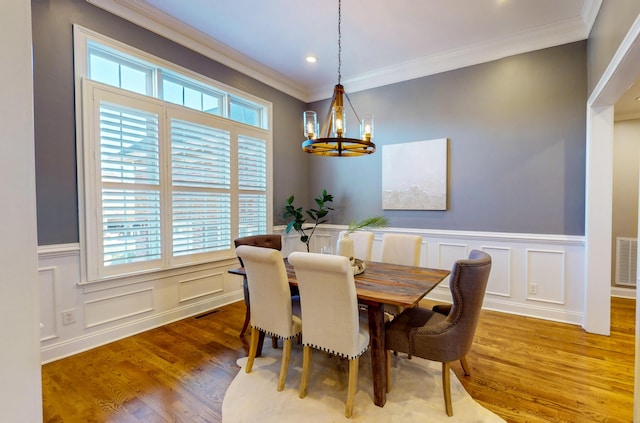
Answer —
(444, 338)
(266, 241)
(330, 314)
(362, 243)
(401, 249)
(273, 311)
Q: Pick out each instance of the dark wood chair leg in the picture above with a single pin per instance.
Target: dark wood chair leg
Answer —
(260, 343)
(247, 316)
(245, 325)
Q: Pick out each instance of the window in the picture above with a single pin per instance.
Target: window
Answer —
(165, 179)
(117, 68)
(194, 96)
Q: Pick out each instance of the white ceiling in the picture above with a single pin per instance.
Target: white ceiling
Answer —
(383, 41)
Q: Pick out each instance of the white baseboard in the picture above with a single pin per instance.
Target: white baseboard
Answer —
(86, 342)
(623, 292)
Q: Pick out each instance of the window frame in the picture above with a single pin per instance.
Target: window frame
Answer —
(89, 164)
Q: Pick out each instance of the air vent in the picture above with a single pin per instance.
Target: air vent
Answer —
(626, 261)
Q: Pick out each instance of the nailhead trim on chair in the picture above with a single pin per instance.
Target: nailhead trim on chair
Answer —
(348, 357)
(443, 329)
(275, 334)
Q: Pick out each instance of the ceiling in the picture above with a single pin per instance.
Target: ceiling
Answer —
(383, 41)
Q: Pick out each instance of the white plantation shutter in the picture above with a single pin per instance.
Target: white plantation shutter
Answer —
(201, 181)
(130, 179)
(252, 186)
(165, 186)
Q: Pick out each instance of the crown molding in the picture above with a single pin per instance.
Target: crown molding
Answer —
(567, 31)
(626, 116)
(589, 13)
(143, 15)
(140, 13)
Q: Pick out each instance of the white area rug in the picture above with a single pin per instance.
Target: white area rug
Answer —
(416, 392)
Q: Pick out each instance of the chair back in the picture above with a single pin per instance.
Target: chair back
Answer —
(468, 283)
(362, 243)
(403, 249)
(267, 241)
(269, 292)
(329, 304)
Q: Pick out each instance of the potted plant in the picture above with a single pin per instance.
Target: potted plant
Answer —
(297, 219)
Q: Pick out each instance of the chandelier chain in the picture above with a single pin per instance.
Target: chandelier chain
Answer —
(339, 40)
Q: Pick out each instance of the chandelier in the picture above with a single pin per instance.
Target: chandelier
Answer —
(331, 140)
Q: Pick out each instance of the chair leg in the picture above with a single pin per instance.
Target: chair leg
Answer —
(286, 355)
(446, 387)
(465, 366)
(353, 385)
(306, 366)
(260, 343)
(247, 319)
(274, 342)
(253, 348)
(388, 375)
(247, 316)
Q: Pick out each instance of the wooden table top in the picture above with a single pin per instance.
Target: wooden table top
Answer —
(386, 283)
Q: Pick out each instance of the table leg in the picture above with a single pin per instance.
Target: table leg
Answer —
(378, 356)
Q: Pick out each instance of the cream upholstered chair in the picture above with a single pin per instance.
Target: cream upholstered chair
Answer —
(401, 249)
(330, 314)
(362, 243)
(267, 241)
(272, 308)
(434, 336)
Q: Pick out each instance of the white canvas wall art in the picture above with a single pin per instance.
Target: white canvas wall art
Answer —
(414, 175)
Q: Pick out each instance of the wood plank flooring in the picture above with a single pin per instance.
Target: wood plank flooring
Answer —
(523, 369)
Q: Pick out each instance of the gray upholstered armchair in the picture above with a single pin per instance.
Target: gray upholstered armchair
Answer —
(446, 338)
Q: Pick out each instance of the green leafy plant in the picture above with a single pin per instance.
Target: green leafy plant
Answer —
(297, 219)
(368, 222)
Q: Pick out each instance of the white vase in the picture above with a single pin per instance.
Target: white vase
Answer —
(345, 247)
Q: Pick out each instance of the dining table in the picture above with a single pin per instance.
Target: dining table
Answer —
(380, 284)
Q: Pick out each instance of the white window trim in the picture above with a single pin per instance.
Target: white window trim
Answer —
(86, 177)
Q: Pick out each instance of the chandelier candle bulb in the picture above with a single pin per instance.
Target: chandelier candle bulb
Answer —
(338, 120)
(311, 124)
(366, 127)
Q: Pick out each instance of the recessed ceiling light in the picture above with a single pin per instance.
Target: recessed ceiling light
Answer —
(311, 59)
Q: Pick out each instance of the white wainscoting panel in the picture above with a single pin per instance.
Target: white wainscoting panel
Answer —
(448, 253)
(500, 276)
(48, 312)
(554, 262)
(200, 286)
(110, 310)
(320, 241)
(424, 253)
(118, 307)
(546, 271)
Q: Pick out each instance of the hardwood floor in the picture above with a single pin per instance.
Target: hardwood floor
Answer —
(523, 369)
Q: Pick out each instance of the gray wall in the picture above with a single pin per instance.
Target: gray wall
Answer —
(516, 130)
(614, 20)
(56, 182)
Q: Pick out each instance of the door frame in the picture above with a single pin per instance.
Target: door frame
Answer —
(622, 72)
